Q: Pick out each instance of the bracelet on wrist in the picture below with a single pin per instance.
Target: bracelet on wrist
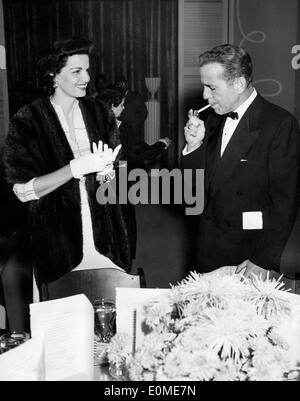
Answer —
(105, 178)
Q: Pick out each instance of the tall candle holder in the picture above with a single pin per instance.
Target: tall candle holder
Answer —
(152, 123)
(152, 84)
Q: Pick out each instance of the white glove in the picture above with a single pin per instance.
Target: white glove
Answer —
(108, 173)
(109, 152)
(92, 162)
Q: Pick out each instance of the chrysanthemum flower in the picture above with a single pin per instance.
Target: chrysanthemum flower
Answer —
(269, 297)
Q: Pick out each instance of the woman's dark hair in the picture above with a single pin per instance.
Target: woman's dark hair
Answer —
(56, 57)
(236, 62)
(111, 97)
(122, 84)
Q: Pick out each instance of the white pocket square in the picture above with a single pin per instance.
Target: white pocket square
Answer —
(243, 160)
(252, 221)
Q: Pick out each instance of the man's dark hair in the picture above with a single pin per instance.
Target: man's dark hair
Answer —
(235, 60)
(122, 83)
(56, 57)
(111, 97)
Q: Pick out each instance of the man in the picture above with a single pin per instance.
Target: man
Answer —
(251, 162)
(135, 111)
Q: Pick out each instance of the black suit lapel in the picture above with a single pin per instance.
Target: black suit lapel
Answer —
(214, 135)
(239, 145)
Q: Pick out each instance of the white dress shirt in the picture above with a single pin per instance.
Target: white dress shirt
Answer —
(230, 124)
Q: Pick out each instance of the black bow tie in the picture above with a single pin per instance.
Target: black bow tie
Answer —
(232, 114)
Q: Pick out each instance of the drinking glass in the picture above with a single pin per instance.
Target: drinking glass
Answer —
(105, 319)
(11, 340)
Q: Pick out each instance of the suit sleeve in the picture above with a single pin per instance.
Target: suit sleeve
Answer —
(137, 151)
(193, 161)
(279, 219)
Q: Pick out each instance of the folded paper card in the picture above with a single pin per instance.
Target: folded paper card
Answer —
(67, 325)
(129, 306)
(24, 363)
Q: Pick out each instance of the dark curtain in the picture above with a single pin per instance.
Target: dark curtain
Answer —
(133, 38)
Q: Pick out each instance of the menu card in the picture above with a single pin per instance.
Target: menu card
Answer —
(67, 325)
(129, 306)
(24, 363)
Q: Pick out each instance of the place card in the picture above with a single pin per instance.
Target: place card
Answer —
(26, 362)
(67, 325)
(129, 307)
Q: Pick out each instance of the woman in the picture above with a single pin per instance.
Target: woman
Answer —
(135, 151)
(15, 259)
(52, 157)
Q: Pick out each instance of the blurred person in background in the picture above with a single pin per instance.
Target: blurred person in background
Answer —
(135, 111)
(134, 149)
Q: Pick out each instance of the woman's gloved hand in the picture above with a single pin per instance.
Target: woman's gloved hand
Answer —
(102, 158)
(108, 173)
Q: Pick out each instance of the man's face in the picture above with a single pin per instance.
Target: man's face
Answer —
(221, 94)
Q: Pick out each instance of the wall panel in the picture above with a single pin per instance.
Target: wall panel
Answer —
(4, 114)
(202, 25)
(267, 29)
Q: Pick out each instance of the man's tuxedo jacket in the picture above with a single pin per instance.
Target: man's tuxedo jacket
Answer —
(258, 172)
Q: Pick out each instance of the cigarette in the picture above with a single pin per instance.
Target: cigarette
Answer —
(203, 108)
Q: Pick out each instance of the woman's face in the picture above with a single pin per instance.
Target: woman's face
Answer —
(73, 78)
(118, 110)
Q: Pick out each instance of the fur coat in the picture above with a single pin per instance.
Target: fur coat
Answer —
(36, 145)
(13, 230)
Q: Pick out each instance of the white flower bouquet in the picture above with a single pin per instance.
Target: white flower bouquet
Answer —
(217, 327)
